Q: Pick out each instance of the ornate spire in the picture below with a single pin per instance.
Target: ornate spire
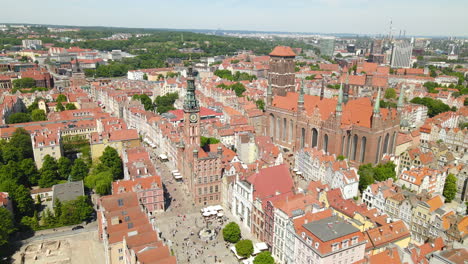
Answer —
(300, 102)
(400, 99)
(339, 106)
(190, 102)
(322, 89)
(346, 90)
(377, 104)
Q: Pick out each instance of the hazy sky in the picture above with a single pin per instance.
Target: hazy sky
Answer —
(417, 17)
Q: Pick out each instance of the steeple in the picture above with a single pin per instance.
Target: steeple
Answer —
(346, 90)
(400, 100)
(339, 106)
(322, 90)
(300, 102)
(377, 104)
(190, 102)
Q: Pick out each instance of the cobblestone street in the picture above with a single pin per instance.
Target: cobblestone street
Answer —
(182, 222)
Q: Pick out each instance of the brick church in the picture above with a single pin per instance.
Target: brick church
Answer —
(356, 128)
(200, 167)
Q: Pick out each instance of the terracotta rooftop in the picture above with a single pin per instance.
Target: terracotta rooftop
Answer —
(283, 51)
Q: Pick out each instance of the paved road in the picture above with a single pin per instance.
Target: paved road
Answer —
(62, 232)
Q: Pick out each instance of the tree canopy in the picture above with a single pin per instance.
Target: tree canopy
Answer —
(145, 101)
(166, 102)
(369, 174)
(434, 106)
(38, 115)
(24, 83)
(18, 118)
(208, 140)
(264, 258)
(231, 232)
(450, 188)
(390, 93)
(6, 225)
(244, 248)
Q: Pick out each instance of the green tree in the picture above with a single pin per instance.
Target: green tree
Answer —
(7, 226)
(75, 211)
(31, 222)
(57, 208)
(38, 115)
(244, 248)
(22, 202)
(79, 170)
(18, 118)
(231, 232)
(208, 140)
(260, 104)
(390, 93)
(145, 77)
(450, 188)
(22, 141)
(59, 107)
(49, 172)
(28, 169)
(64, 165)
(24, 83)
(340, 157)
(100, 182)
(70, 106)
(61, 98)
(111, 159)
(264, 258)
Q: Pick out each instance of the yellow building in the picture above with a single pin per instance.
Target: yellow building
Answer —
(392, 233)
(45, 143)
(116, 139)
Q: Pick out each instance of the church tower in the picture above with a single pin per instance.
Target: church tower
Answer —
(282, 73)
(191, 112)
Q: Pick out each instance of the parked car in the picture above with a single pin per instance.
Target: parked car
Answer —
(77, 227)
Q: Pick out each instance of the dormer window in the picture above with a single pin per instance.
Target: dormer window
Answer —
(345, 243)
(317, 245)
(303, 235)
(354, 240)
(335, 246)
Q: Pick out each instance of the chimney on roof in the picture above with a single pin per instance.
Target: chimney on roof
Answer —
(306, 221)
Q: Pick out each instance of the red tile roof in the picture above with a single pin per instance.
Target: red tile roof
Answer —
(269, 181)
(283, 51)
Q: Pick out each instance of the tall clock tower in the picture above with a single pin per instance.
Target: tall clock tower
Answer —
(191, 113)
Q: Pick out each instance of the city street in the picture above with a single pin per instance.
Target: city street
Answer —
(182, 221)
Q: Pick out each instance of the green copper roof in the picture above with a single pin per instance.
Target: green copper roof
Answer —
(190, 102)
(377, 103)
(339, 107)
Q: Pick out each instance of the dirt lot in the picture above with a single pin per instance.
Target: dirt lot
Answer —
(80, 248)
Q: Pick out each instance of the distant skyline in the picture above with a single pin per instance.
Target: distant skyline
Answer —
(417, 17)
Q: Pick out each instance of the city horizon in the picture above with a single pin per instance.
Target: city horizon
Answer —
(206, 30)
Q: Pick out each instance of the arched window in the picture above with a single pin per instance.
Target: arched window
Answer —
(392, 143)
(348, 143)
(278, 128)
(325, 143)
(291, 127)
(377, 154)
(363, 149)
(343, 141)
(272, 125)
(314, 137)
(355, 143)
(284, 129)
(302, 137)
(385, 146)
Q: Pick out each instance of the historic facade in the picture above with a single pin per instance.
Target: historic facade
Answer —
(355, 128)
(200, 167)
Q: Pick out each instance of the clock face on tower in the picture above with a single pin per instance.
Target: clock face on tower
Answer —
(193, 118)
